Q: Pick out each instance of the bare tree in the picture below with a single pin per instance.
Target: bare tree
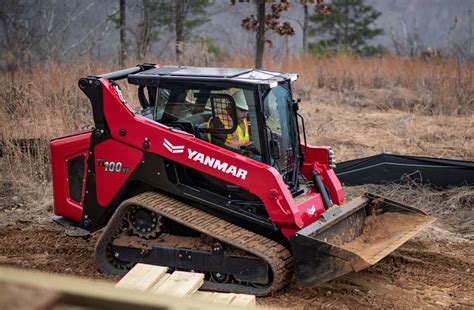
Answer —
(408, 43)
(122, 26)
(189, 14)
(159, 17)
(145, 28)
(271, 22)
(305, 26)
(180, 10)
(141, 31)
(21, 28)
(33, 31)
(260, 34)
(460, 38)
(23, 34)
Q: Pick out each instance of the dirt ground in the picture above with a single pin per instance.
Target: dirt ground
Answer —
(433, 270)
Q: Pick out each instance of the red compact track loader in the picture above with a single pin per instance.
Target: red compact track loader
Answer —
(171, 191)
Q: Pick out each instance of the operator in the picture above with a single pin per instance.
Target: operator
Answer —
(240, 138)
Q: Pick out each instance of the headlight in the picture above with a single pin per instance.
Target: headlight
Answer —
(332, 159)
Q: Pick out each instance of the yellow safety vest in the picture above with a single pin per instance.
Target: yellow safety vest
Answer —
(239, 137)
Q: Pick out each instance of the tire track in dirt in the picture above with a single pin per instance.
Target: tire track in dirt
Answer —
(46, 247)
(421, 274)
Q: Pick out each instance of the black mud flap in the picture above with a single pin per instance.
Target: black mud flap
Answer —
(353, 237)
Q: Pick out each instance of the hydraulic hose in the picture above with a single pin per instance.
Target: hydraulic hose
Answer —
(318, 183)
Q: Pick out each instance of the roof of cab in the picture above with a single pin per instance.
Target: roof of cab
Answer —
(247, 76)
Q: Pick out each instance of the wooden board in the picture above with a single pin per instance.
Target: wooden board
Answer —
(227, 298)
(222, 298)
(161, 281)
(203, 295)
(244, 300)
(153, 279)
(181, 284)
(14, 297)
(99, 294)
(142, 277)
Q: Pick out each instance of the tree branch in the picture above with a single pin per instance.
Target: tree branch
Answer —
(88, 35)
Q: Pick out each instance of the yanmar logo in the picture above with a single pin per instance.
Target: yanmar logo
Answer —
(217, 164)
(173, 148)
(207, 160)
(311, 210)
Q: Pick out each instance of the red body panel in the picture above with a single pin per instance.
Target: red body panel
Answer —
(316, 158)
(114, 162)
(62, 150)
(259, 179)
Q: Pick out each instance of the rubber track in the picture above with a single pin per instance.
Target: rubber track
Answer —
(276, 255)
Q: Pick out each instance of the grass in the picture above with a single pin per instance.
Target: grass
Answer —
(361, 106)
(422, 86)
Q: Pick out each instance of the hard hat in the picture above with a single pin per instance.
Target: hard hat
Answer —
(240, 101)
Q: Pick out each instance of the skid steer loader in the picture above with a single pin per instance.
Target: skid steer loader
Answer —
(169, 192)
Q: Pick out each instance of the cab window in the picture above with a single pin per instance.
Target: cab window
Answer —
(188, 107)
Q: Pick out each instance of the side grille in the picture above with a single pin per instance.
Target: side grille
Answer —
(75, 167)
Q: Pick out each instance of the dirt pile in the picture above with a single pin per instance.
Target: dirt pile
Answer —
(383, 232)
(453, 207)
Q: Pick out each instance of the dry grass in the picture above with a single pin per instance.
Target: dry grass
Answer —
(422, 86)
(357, 132)
(361, 106)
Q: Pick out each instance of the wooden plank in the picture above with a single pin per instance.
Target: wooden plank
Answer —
(202, 295)
(100, 294)
(13, 297)
(222, 298)
(150, 278)
(158, 284)
(181, 284)
(244, 300)
(142, 277)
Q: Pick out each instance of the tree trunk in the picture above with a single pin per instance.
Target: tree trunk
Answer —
(260, 36)
(179, 27)
(345, 44)
(305, 28)
(145, 29)
(123, 44)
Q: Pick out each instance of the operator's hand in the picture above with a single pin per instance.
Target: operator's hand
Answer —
(249, 149)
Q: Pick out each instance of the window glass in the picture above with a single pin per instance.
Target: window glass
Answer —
(281, 128)
(188, 106)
